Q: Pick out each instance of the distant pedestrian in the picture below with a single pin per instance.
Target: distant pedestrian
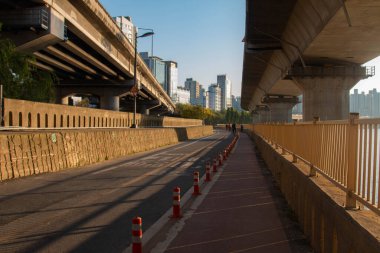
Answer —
(241, 128)
(234, 128)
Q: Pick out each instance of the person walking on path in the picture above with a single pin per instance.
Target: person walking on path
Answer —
(234, 128)
(241, 128)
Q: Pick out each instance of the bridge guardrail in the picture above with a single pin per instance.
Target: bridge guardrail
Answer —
(346, 152)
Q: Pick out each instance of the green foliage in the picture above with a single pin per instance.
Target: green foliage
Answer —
(211, 117)
(20, 78)
(85, 102)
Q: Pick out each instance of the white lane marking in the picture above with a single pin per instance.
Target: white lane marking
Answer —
(108, 169)
(193, 142)
(161, 156)
(179, 225)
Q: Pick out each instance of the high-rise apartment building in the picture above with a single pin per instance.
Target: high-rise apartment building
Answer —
(215, 97)
(157, 67)
(204, 98)
(171, 78)
(367, 105)
(182, 96)
(236, 103)
(195, 91)
(226, 87)
(126, 26)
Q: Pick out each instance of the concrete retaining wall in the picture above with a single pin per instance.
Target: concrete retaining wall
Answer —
(25, 154)
(21, 113)
(318, 206)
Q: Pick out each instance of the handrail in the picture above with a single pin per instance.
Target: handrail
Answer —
(346, 152)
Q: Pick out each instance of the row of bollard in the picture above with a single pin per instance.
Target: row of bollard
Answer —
(218, 161)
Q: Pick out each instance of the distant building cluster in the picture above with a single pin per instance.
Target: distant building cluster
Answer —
(367, 105)
(217, 97)
(166, 72)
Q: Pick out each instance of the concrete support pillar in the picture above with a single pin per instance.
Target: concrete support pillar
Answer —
(262, 114)
(281, 112)
(255, 118)
(64, 101)
(280, 107)
(144, 110)
(109, 102)
(326, 98)
(326, 89)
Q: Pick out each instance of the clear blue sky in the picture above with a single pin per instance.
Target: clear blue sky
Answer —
(203, 36)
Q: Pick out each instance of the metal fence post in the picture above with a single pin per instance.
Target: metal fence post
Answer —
(1, 106)
(294, 144)
(352, 155)
(312, 170)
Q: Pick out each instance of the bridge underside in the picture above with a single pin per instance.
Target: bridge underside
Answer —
(331, 35)
(69, 39)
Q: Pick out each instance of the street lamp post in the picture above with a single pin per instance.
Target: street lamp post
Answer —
(1, 106)
(151, 30)
(135, 88)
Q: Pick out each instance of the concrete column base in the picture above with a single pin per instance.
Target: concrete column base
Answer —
(326, 89)
(280, 107)
(326, 98)
(110, 102)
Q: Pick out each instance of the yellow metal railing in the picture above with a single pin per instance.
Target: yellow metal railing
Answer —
(346, 152)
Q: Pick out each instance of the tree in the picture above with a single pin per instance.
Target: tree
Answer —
(20, 78)
(211, 117)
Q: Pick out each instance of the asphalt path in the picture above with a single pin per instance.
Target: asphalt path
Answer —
(89, 209)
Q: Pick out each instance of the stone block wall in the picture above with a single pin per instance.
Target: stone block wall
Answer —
(30, 153)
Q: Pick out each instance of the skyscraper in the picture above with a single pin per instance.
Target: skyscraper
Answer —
(157, 67)
(171, 78)
(195, 91)
(226, 88)
(126, 26)
(215, 96)
(236, 103)
(367, 105)
(182, 96)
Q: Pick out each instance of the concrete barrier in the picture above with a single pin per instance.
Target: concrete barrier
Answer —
(317, 204)
(30, 153)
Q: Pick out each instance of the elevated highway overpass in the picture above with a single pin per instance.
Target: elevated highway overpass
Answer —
(80, 42)
(308, 47)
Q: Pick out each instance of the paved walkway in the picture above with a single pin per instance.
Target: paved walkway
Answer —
(242, 212)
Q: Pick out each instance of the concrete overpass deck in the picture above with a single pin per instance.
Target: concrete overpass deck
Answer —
(318, 37)
(80, 42)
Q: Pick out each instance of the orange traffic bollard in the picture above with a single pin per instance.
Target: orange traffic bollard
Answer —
(176, 203)
(214, 167)
(136, 235)
(196, 183)
(208, 174)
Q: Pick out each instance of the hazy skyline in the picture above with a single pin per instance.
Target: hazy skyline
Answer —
(372, 82)
(203, 37)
